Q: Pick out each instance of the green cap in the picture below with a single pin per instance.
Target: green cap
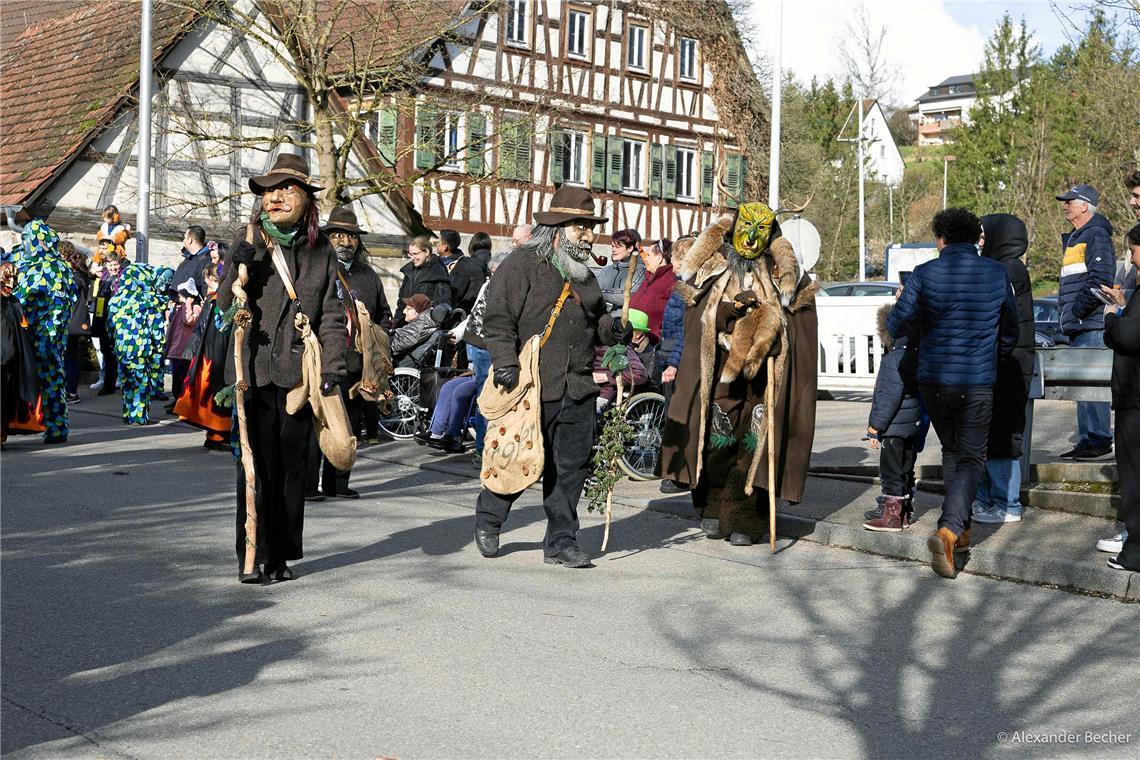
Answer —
(638, 320)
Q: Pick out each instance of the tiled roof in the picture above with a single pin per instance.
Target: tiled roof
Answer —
(67, 67)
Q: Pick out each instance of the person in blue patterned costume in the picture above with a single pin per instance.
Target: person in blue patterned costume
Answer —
(46, 292)
(136, 316)
(163, 288)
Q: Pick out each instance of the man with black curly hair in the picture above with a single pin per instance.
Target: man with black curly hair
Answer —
(963, 307)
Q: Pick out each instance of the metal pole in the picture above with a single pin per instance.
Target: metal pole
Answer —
(146, 69)
(890, 214)
(859, 153)
(777, 87)
(945, 173)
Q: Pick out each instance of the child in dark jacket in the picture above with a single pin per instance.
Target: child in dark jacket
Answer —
(897, 427)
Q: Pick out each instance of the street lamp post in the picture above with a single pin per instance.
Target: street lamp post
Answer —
(777, 96)
(146, 68)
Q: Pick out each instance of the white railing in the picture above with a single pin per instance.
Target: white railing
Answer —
(849, 344)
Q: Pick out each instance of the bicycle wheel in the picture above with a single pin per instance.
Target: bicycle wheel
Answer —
(400, 422)
(646, 413)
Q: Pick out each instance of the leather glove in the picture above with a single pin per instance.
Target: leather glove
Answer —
(243, 253)
(622, 333)
(507, 378)
(329, 382)
(745, 302)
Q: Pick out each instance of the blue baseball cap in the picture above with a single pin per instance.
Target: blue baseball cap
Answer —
(1086, 193)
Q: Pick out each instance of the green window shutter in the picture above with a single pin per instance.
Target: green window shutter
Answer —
(656, 168)
(386, 135)
(556, 147)
(732, 180)
(743, 178)
(670, 179)
(706, 177)
(598, 162)
(427, 133)
(613, 163)
(508, 130)
(524, 152)
(476, 142)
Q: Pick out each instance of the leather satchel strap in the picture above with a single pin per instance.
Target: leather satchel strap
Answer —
(283, 272)
(554, 314)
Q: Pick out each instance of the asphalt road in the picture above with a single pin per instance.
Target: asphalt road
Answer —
(126, 634)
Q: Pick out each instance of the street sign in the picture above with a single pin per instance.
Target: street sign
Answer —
(804, 238)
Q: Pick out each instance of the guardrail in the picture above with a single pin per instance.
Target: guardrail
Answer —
(849, 344)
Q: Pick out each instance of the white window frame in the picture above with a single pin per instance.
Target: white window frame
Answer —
(451, 137)
(632, 166)
(515, 12)
(686, 174)
(687, 63)
(636, 42)
(578, 28)
(578, 157)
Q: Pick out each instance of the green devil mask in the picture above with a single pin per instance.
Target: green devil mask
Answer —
(753, 230)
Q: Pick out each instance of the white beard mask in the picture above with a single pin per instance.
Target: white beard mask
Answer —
(572, 259)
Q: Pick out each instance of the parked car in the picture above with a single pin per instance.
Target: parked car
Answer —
(1047, 322)
(862, 289)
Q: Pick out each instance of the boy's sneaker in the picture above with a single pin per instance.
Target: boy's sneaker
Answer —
(1092, 453)
(73, 398)
(877, 512)
(97, 385)
(996, 515)
(1113, 544)
(1116, 564)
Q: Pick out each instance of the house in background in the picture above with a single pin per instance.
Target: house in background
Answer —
(884, 161)
(945, 107)
(514, 102)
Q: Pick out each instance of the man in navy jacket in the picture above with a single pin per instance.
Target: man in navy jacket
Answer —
(1088, 262)
(963, 309)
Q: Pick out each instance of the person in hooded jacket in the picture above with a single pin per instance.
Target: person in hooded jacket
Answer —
(1005, 240)
(465, 273)
(479, 249)
(423, 274)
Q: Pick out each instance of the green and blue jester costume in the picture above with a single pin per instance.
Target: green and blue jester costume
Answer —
(46, 291)
(137, 317)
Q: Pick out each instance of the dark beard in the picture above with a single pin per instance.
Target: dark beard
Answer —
(345, 253)
(572, 259)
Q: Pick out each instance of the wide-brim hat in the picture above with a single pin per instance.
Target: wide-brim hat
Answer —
(289, 167)
(569, 204)
(344, 219)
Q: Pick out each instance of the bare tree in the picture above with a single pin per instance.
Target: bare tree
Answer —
(864, 58)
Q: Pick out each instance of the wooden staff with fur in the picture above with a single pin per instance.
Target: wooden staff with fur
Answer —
(242, 320)
(770, 402)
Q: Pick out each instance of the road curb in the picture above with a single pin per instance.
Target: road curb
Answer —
(1079, 577)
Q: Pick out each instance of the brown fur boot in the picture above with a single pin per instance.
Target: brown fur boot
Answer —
(941, 546)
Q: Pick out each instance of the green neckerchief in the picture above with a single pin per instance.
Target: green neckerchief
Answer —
(284, 238)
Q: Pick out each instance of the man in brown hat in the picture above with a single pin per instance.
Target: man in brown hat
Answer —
(356, 282)
(521, 298)
(287, 251)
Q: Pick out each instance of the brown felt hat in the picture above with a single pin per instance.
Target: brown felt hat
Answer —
(419, 302)
(569, 204)
(289, 167)
(342, 218)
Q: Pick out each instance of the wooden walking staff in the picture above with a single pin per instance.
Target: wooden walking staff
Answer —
(617, 377)
(770, 401)
(242, 320)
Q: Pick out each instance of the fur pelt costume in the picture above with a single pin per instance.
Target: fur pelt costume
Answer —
(739, 310)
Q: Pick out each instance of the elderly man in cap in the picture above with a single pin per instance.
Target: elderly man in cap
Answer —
(1088, 261)
(292, 267)
(521, 300)
(356, 282)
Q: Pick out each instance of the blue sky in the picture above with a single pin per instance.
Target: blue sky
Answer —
(927, 40)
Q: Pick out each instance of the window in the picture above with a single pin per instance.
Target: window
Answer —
(576, 33)
(449, 140)
(515, 149)
(635, 47)
(632, 155)
(686, 163)
(575, 161)
(688, 59)
(516, 21)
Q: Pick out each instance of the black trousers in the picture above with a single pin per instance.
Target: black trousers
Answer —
(280, 443)
(961, 417)
(897, 457)
(179, 368)
(330, 478)
(1128, 467)
(568, 440)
